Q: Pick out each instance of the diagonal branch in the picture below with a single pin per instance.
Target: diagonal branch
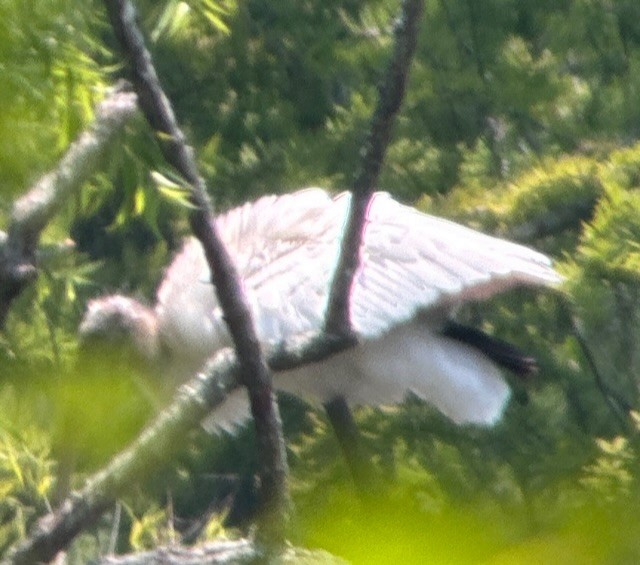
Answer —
(254, 371)
(338, 319)
(154, 447)
(391, 94)
(32, 211)
(619, 407)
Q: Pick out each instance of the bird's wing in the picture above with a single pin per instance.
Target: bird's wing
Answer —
(282, 247)
(412, 261)
(286, 248)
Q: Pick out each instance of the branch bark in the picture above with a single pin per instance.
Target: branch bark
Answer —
(391, 94)
(32, 211)
(254, 371)
(338, 319)
(154, 447)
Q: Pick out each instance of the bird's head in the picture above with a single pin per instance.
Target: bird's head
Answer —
(123, 326)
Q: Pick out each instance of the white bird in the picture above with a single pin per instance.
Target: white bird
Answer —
(415, 269)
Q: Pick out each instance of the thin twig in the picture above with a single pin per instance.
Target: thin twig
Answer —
(618, 406)
(115, 529)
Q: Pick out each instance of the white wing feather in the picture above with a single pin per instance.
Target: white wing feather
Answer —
(286, 248)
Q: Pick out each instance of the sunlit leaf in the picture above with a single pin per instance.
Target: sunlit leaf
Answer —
(176, 193)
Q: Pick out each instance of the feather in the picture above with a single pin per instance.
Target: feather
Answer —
(500, 352)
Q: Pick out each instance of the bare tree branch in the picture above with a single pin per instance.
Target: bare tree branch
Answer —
(350, 441)
(391, 94)
(32, 211)
(338, 319)
(154, 447)
(254, 371)
(619, 407)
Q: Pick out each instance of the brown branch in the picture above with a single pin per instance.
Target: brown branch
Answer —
(391, 94)
(350, 441)
(32, 211)
(194, 401)
(154, 447)
(338, 319)
(254, 371)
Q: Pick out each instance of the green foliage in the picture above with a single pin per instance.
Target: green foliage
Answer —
(418, 513)
(185, 18)
(27, 469)
(41, 332)
(558, 191)
(51, 80)
(609, 247)
(151, 530)
(610, 477)
(517, 114)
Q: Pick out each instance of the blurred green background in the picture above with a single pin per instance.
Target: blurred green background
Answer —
(522, 119)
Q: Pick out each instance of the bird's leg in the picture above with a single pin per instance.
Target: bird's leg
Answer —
(350, 442)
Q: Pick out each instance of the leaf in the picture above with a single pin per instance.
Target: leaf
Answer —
(173, 192)
(139, 201)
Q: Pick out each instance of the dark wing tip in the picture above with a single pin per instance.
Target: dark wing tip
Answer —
(500, 352)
